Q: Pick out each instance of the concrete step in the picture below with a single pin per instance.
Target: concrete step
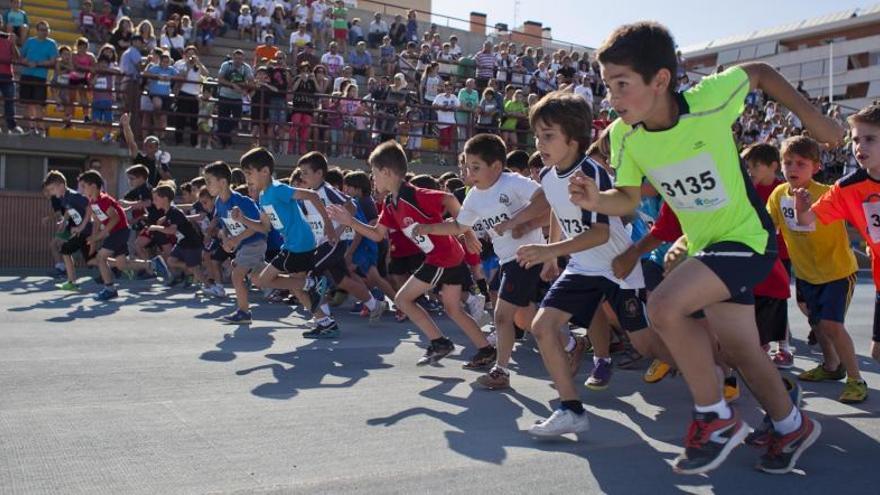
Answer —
(50, 12)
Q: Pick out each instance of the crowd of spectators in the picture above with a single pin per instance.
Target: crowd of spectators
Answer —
(318, 78)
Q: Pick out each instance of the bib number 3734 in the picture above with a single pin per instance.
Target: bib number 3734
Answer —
(872, 217)
(691, 185)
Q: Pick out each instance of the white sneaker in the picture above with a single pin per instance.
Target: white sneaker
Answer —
(492, 338)
(376, 314)
(16, 131)
(216, 290)
(561, 422)
(476, 307)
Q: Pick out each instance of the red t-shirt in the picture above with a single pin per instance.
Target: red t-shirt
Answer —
(764, 193)
(102, 205)
(88, 19)
(415, 205)
(6, 56)
(856, 199)
(776, 285)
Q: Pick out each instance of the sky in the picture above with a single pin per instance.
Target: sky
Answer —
(588, 22)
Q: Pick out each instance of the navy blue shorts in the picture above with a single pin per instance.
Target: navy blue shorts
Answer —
(519, 286)
(117, 242)
(580, 296)
(827, 301)
(653, 274)
(190, 256)
(739, 267)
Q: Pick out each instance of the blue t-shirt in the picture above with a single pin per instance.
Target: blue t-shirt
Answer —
(158, 87)
(248, 208)
(36, 50)
(15, 19)
(367, 251)
(287, 218)
(646, 215)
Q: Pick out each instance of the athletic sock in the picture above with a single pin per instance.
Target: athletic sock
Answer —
(721, 409)
(571, 343)
(325, 320)
(790, 423)
(325, 308)
(483, 286)
(596, 360)
(574, 406)
(372, 303)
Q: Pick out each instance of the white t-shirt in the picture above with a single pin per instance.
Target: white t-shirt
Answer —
(446, 116)
(483, 209)
(573, 220)
(329, 196)
(333, 63)
(299, 40)
(245, 20)
(263, 21)
(319, 11)
(301, 13)
(190, 88)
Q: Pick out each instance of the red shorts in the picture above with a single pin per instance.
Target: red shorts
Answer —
(446, 135)
(340, 34)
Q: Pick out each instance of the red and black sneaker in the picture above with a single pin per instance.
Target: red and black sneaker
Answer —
(784, 450)
(709, 441)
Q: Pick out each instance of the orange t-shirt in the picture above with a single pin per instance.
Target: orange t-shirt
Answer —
(264, 51)
(856, 199)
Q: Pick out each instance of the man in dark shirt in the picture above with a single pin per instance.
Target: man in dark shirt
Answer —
(150, 156)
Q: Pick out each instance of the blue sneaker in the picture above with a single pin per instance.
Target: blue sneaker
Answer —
(239, 317)
(106, 294)
(160, 269)
(600, 377)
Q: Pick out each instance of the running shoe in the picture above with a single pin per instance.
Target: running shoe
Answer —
(436, 352)
(239, 317)
(378, 311)
(216, 290)
(657, 371)
(323, 330)
(709, 441)
(160, 268)
(576, 355)
(68, 286)
(483, 358)
(731, 389)
(106, 294)
(783, 359)
(495, 379)
(784, 451)
(760, 436)
(561, 422)
(600, 377)
(820, 374)
(854, 391)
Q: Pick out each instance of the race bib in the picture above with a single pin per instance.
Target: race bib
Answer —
(489, 222)
(179, 236)
(88, 20)
(347, 234)
(234, 228)
(100, 215)
(274, 219)
(693, 185)
(422, 241)
(164, 83)
(872, 217)
(786, 204)
(75, 216)
(101, 83)
(316, 223)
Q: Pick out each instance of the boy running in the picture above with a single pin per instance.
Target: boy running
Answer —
(74, 207)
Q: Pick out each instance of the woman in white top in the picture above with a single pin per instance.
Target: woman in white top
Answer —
(172, 39)
(192, 73)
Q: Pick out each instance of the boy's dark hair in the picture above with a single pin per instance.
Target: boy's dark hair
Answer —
(315, 160)
(198, 182)
(139, 171)
(360, 181)
(518, 160)
(92, 177)
(535, 161)
(238, 177)
(55, 177)
(219, 170)
(803, 146)
(570, 112)
(646, 47)
(869, 115)
(187, 187)
(409, 176)
(425, 181)
(204, 193)
(258, 159)
(334, 177)
(164, 191)
(454, 184)
(295, 177)
(761, 153)
(242, 189)
(487, 147)
(389, 155)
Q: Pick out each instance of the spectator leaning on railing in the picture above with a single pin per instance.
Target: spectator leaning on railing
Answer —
(235, 79)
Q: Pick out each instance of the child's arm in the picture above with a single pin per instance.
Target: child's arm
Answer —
(802, 203)
(617, 201)
(263, 225)
(823, 129)
(76, 230)
(113, 219)
(453, 207)
(676, 255)
(624, 263)
(342, 215)
(169, 229)
(125, 123)
(535, 254)
(537, 207)
(312, 197)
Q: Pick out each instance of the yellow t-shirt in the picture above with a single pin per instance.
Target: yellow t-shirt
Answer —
(820, 253)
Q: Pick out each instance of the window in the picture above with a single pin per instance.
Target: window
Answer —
(791, 72)
(728, 56)
(812, 69)
(747, 52)
(766, 49)
(24, 172)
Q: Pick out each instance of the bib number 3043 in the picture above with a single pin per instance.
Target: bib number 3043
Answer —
(691, 185)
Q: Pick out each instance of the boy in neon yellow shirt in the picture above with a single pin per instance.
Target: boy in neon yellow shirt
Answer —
(683, 144)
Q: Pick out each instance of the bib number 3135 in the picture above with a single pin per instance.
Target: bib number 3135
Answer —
(691, 185)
